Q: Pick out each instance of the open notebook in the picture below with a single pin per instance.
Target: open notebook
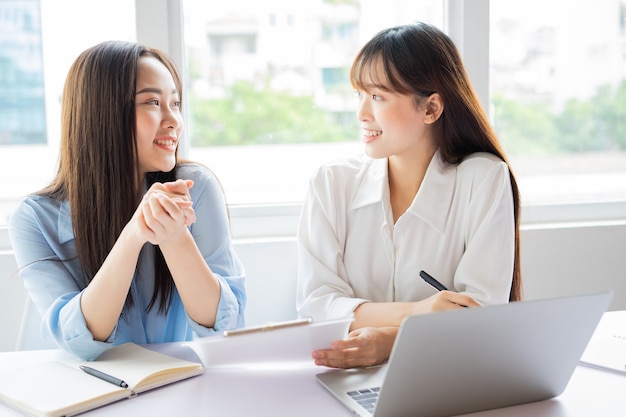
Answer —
(472, 359)
(61, 388)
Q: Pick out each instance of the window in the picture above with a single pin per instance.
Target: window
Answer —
(21, 75)
(284, 105)
(38, 43)
(558, 97)
(268, 97)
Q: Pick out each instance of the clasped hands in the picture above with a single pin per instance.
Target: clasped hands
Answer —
(165, 211)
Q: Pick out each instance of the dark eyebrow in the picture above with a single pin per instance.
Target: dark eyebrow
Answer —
(371, 86)
(154, 90)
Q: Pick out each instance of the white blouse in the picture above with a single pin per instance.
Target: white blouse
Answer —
(459, 228)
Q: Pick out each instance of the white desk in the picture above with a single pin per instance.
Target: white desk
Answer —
(293, 391)
(255, 391)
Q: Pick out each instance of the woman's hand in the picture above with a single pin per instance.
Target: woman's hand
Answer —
(179, 192)
(363, 347)
(165, 212)
(371, 340)
(445, 300)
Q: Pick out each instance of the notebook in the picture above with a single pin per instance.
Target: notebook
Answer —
(474, 359)
(61, 388)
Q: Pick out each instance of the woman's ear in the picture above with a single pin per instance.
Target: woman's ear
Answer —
(434, 108)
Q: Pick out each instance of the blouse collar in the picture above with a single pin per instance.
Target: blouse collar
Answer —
(433, 200)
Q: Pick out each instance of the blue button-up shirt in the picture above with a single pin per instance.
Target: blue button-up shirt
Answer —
(42, 237)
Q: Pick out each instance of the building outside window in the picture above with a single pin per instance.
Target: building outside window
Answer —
(22, 105)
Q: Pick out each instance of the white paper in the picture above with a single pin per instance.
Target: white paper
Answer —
(289, 344)
(607, 348)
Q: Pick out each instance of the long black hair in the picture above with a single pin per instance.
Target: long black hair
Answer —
(98, 160)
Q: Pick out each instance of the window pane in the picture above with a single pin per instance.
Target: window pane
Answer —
(39, 40)
(558, 89)
(269, 95)
(22, 105)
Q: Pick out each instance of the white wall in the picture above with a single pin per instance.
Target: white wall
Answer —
(556, 260)
(270, 279)
(12, 300)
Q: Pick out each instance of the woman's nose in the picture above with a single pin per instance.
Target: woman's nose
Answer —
(171, 118)
(363, 112)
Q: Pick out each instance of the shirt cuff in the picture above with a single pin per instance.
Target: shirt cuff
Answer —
(67, 326)
(228, 315)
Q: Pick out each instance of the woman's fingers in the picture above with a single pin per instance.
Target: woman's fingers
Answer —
(165, 217)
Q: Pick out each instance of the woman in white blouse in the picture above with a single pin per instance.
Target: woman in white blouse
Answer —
(434, 192)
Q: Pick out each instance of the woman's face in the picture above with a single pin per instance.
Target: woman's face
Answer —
(391, 123)
(159, 123)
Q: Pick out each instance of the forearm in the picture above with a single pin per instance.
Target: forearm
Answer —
(391, 314)
(388, 314)
(103, 299)
(198, 287)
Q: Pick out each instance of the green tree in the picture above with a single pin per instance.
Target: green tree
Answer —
(609, 106)
(523, 128)
(577, 127)
(251, 116)
(248, 115)
(596, 124)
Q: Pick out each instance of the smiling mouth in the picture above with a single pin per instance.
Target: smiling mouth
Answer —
(165, 142)
(372, 133)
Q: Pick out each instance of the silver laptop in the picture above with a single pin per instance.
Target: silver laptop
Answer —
(474, 359)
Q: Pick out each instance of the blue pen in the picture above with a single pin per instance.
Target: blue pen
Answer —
(432, 281)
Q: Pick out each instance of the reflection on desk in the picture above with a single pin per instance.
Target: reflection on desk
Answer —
(290, 389)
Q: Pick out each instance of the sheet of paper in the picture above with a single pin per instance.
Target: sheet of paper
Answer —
(607, 348)
(286, 344)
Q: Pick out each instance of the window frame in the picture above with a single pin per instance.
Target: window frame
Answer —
(467, 23)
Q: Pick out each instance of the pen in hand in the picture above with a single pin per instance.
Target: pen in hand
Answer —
(105, 377)
(432, 281)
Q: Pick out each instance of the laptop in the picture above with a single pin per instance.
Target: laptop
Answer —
(472, 359)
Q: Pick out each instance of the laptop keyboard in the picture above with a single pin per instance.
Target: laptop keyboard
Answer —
(366, 397)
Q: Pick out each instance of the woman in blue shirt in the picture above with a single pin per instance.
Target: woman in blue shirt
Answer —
(128, 243)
